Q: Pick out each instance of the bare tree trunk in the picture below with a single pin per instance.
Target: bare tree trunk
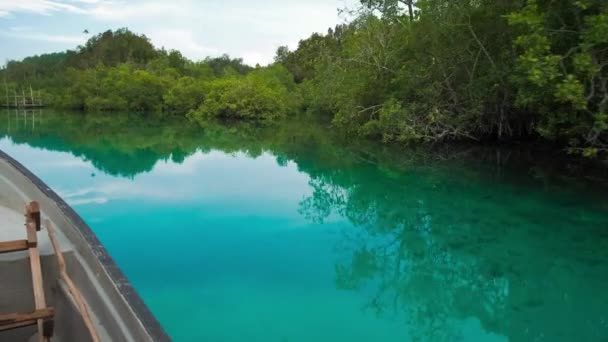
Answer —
(410, 7)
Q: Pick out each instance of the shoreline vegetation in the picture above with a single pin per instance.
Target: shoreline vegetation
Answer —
(530, 71)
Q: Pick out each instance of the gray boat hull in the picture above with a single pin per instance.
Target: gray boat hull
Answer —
(118, 312)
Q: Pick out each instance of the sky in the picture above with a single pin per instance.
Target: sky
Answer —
(250, 29)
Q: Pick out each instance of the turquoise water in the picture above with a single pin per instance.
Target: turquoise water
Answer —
(291, 233)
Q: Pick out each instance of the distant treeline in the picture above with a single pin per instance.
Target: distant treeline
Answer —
(400, 70)
(122, 71)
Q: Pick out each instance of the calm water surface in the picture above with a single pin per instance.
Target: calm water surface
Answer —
(288, 233)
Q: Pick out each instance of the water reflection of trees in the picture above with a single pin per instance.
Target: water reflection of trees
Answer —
(436, 247)
(121, 145)
(128, 144)
(441, 235)
(397, 263)
(414, 277)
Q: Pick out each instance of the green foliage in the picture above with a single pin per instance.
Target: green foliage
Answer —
(122, 71)
(560, 73)
(224, 65)
(462, 70)
(310, 54)
(37, 67)
(108, 89)
(597, 29)
(262, 94)
(401, 70)
(441, 76)
(112, 48)
(185, 94)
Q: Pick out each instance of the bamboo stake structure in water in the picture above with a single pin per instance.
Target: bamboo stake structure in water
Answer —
(6, 89)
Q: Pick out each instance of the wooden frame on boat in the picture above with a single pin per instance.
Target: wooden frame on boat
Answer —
(42, 316)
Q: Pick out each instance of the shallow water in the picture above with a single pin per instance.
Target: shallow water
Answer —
(289, 233)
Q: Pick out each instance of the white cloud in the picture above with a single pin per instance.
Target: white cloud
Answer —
(83, 201)
(20, 28)
(189, 166)
(248, 29)
(255, 57)
(88, 1)
(118, 11)
(76, 193)
(182, 40)
(42, 7)
(53, 38)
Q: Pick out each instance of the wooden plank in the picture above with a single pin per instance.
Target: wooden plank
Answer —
(82, 306)
(32, 238)
(13, 246)
(19, 317)
(38, 286)
(32, 211)
(18, 325)
(48, 323)
(48, 329)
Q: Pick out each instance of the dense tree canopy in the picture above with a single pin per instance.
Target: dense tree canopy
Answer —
(472, 70)
(118, 70)
(400, 70)
(112, 48)
(265, 93)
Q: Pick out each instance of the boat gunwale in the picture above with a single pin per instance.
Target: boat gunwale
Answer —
(148, 321)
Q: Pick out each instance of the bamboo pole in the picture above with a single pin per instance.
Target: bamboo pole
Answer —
(82, 307)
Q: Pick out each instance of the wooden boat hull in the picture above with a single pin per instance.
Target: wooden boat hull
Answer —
(119, 314)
